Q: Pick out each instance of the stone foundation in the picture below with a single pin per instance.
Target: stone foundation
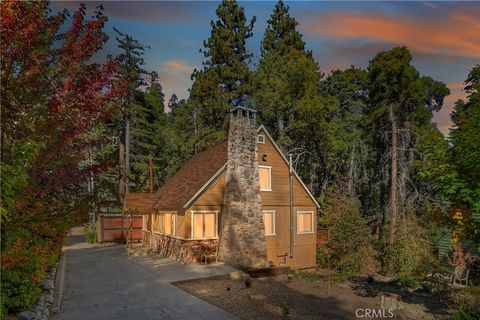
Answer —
(146, 238)
(186, 251)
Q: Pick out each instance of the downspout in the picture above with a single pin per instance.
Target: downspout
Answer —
(291, 205)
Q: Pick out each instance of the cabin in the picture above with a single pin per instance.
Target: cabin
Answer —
(238, 202)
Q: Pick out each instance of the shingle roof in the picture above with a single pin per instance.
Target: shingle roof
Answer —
(139, 203)
(176, 192)
(179, 189)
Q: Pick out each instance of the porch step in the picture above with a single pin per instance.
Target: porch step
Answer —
(138, 250)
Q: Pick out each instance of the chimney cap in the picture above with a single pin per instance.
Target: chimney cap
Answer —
(242, 108)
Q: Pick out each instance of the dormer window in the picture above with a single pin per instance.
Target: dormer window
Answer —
(261, 138)
(265, 174)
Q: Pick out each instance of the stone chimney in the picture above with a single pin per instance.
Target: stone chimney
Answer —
(242, 233)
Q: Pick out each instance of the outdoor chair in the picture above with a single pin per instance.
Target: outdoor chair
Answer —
(460, 276)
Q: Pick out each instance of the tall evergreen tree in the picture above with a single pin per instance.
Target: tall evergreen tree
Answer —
(131, 64)
(285, 74)
(225, 79)
(148, 130)
(466, 155)
(400, 102)
(281, 34)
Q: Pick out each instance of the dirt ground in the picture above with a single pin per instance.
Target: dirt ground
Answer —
(274, 298)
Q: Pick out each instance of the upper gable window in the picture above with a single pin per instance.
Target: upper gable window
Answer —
(265, 174)
(261, 138)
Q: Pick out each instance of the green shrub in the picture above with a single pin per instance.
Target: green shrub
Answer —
(466, 312)
(349, 249)
(90, 235)
(467, 302)
(411, 282)
(25, 262)
(412, 254)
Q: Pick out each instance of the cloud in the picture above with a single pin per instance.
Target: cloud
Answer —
(159, 12)
(442, 118)
(178, 66)
(457, 34)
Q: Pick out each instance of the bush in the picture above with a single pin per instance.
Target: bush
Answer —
(25, 261)
(90, 235)
(412, 254)
(349, 249)
(468, 302)
(411, 282)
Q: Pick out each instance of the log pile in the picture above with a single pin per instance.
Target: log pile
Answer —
(185, 251)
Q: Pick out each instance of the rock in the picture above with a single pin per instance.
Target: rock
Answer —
(49, 285)
(236, 275)
(27, 315)
(49, 298)
(41, 300)
(39, 314)
(46, 312)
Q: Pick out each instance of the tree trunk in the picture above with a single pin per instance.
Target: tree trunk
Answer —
(394, 175)
(351, 171)
(127, 155)
(121, 163)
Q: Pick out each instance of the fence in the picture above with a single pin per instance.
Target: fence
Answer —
(117, 227)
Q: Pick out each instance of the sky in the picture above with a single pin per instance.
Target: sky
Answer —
(443, 37)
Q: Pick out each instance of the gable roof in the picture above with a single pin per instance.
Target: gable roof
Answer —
(191, 178)
(139, 203)
(194, 178)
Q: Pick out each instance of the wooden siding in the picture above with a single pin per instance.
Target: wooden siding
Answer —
(280, 194)
(213, 195)
(304, 255)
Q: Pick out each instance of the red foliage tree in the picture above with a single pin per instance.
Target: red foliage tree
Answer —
(53, 98)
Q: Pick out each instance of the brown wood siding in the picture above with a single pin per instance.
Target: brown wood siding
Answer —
(280, 194)
(304, 255)
(213, 195)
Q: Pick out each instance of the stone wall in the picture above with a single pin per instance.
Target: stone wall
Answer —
(242, 235)
(45, 306)
(185, 251)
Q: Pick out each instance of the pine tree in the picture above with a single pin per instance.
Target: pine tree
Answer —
(281, 34)
(225, 79)
(285, 74)
(148, 133)
(401, 102)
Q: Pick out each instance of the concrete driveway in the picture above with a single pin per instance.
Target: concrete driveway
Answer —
(101, 282)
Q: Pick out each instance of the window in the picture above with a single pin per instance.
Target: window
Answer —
(265, 178)
(159, 222)
(169, 223)
(261, 138)
(147, 222)
(269, 222)
(305, 221)
(204, 224)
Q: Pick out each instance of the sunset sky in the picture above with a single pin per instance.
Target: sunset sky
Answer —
(444, 37)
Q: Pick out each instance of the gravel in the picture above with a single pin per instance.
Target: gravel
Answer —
(276, 298)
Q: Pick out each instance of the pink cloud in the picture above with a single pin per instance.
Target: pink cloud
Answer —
(442, 118)
(457, 35)
(178, 66)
